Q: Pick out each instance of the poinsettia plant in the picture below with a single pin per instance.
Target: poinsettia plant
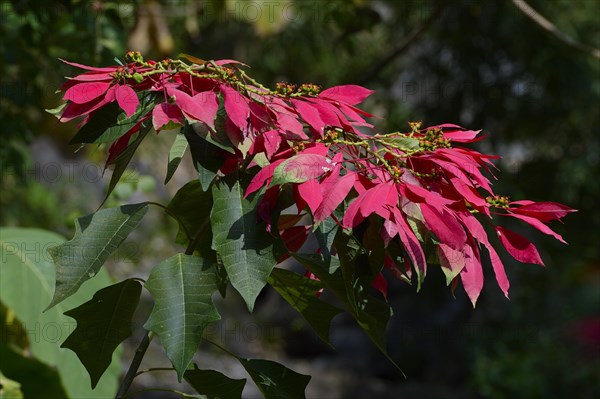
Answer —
(291, 172)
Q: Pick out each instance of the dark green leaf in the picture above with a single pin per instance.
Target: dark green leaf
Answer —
(102, 324)
(192, 206)
(122, 161)
(242, 243)
(216, 138)
(301, 293)
(109, 123)
(370, 313)
(37, 379)
(214, 384)
(275, 380)
(96, 237)
(374, 247)
(101, 120)
(329, 274)
(205, 157)
(218, 135)
(182, 288)
(325, 234)
(176, 153)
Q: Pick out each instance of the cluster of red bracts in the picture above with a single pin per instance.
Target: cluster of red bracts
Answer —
(440, 188)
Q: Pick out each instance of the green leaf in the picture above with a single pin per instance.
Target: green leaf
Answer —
(329, 274)
(9, 389)
(402, 143)
(301, 293)
(371, 314)
(109, 123)
(102, 324)
(123, 159)
(423, 235)
(214, 384)
(299, 169)
(218, 136)
(275, 380)
(176, 153)
(325, 233)
(100, 120)
(96, 237)
(26, 285)
(182, 288)
(191, 58)
(205, 156)
(192, 206)
(240, 240)
(29, 377)
(57, 111)
(374, 247)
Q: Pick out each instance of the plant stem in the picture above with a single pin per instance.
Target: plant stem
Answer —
(221, 348)
(194, 241)
(154, 369)
(182, 394)
(246, 163)
(135, 364)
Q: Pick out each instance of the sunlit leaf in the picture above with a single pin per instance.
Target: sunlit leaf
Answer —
(26, 287)
(182, 288)
(176, 153)
(96, 237)
(242, 243)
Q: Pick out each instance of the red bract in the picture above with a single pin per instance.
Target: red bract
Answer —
(90, 91)
(423, 186)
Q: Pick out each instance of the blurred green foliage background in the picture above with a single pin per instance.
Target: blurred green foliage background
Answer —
(478, 64)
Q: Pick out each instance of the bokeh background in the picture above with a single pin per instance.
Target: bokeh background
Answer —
(484, 65)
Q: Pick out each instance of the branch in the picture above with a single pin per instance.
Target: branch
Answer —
(133, 367)
(404, 45)
(551, 28)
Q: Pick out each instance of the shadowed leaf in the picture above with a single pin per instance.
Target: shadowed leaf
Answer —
(109, 123)
(192, 206)
(214, 384)
(275, 380)
(301, 293)
(102, 324)
(37, 380)
(123, 159)
(204, 155)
